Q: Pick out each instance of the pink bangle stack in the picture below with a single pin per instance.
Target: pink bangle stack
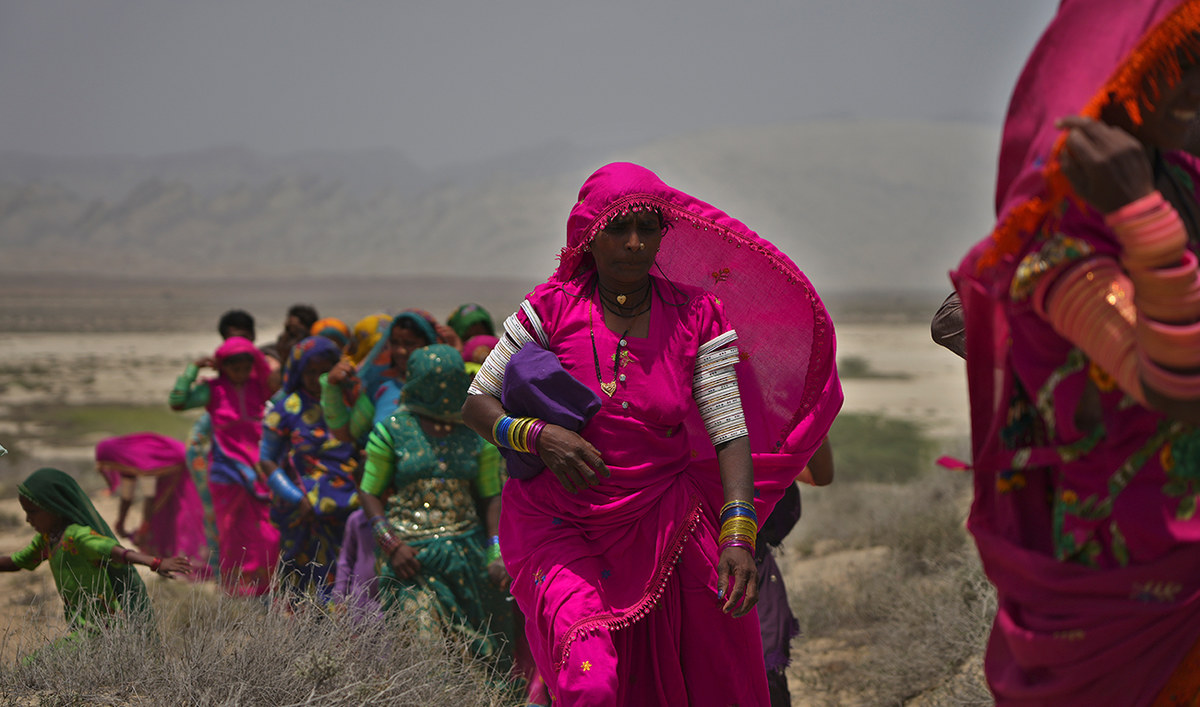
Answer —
(1166, 282)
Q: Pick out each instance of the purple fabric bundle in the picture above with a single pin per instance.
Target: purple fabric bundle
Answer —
(535, 385)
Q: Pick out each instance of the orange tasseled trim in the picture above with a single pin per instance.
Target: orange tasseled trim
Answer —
(1139, 81)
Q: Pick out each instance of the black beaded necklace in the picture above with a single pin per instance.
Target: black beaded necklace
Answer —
(610, 388)
(617, 302)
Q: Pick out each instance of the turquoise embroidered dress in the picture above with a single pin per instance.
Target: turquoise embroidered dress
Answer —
(432, 482)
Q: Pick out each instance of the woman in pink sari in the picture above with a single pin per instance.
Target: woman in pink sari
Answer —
(628, 556)
(1084, 366)
(236, 401)
(172, 519)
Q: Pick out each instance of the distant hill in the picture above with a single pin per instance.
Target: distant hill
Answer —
(859, 205)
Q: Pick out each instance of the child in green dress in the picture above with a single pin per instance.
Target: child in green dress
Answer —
(94, 575)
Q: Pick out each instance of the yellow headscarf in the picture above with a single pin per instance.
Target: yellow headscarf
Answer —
(367, 333)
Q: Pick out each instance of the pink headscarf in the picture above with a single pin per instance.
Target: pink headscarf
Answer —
(237, 345)
(485, 341)
(237, 412)
(139, 454)
(787, 375)
(1079, 60)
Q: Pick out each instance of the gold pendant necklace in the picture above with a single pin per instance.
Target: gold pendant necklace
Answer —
(610, 387)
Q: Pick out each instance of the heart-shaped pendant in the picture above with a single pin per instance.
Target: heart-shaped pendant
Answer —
(608, 388)
(620, 299)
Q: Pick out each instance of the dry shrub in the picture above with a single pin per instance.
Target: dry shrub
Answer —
(908, 627)
(210, 649)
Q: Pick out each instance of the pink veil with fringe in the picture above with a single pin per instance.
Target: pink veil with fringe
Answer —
(788, 370)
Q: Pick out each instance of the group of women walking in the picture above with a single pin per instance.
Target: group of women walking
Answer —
(607, 455)
(602, 458)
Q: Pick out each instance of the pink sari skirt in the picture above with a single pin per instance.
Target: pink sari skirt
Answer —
(684, 652)
(174, 523)
(620, 598)
(249, 544)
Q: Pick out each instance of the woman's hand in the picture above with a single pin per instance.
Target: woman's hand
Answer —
(571, 458)
(1106, 166)
(178, 564)
(449, 336)
(206, 362)
(736, 566)
(499, 575)
(306, 512)
(342, 370)
(404, 561)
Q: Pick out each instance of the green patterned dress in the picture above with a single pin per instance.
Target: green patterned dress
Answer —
(433, 484)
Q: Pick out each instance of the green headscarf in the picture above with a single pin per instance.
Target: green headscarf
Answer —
(56, 491)
(469, 314)
(437, 383)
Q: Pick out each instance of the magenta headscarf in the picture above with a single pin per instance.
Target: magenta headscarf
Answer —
(139, 454)
(237, 412)
(787, 375)
(236, 345)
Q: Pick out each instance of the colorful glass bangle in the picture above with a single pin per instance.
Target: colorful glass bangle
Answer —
(737, 543)
(738, 504)
(739, 513)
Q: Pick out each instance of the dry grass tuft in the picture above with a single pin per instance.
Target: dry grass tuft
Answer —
(907, 622)
(214, 650)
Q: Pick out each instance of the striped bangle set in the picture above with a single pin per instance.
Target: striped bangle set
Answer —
(384, 537)
(739, 526)
(519, 433)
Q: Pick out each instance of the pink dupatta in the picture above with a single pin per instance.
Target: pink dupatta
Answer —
(173, 522)
(1066, 633)
(237, 410)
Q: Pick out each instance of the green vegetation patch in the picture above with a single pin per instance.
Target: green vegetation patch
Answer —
(872, 447)
(82, 424)
(859, 368)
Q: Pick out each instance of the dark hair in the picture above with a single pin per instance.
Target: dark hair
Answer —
(236, 319)
(306, 313)
(237, 358)
(409, 325)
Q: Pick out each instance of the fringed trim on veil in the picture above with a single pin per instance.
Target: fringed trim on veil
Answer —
(658, 584)
(570, 258)
(1155, 64)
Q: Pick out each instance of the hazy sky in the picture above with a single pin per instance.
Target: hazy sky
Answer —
(454, 81)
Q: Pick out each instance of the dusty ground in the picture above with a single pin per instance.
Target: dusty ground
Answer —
(39, 368)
